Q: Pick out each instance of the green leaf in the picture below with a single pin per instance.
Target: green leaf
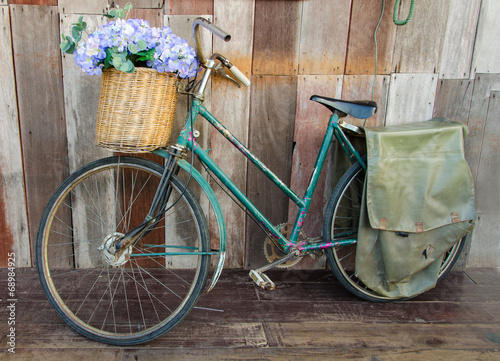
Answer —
(117, 62)
(126, 67)
(128, 7)
(131, 67)
(120, 13)
(68, 47)
(77, 33)
(107, 59)
(142, 45)
(146, 55)
(65, 46)
(133, 48)
(111, 14)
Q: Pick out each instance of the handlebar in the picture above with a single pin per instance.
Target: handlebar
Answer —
(224, 36)
(196, 35)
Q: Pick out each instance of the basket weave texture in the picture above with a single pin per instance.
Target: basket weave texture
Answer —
(136, 110)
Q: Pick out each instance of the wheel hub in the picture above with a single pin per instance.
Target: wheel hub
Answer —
(108, 250)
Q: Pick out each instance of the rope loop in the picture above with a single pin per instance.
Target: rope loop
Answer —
(410, 14)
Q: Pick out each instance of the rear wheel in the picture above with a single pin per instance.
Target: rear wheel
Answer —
(152, 286)
(341, 222)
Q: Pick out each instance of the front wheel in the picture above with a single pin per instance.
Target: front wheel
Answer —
(341, 222)
(152, 286)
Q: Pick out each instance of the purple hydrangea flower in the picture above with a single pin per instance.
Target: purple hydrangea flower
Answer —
(128, 37)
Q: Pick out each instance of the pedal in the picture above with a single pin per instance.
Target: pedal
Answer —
(262, 280)
(265, 282)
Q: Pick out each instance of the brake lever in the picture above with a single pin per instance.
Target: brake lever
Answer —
(220, 69)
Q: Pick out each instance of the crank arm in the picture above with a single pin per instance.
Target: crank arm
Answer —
(263, 280)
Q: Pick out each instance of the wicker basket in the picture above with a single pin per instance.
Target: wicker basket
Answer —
(136, 111)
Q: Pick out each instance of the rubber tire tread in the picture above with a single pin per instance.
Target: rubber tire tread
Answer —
(344, 182)
(204, 265)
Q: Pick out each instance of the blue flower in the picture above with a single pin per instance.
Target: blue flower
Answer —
(133, 39)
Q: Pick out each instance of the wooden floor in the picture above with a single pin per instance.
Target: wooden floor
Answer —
(308, 317)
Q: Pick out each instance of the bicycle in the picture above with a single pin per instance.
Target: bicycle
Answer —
(123, 249)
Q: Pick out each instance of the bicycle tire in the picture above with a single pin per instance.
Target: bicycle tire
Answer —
(342, 217)
(144, 293)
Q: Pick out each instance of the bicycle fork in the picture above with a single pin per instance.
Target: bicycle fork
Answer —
(157, 209)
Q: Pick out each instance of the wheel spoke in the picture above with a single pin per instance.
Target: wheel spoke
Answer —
(121, 300)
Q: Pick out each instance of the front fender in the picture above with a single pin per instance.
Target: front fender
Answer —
(214, 202)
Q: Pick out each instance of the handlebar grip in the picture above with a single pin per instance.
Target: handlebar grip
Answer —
(239, 75)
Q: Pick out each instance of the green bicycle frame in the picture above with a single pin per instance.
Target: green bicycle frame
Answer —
(186, 140)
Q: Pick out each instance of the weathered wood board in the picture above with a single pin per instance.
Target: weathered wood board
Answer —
(311, 121)
(411, 98)
(271, 140)
(453, 99)
(81, 99)
(140, 4)
(276, 37)
(484, 84)
(189, 7)
(83, 7)
(31, 2)
(458, 320)
(360, 87)
(365, 16)
(181, 25)
(239, 49)
(323, 40)
(485, 250)
(459, 37)
(442, 63)
(41, 106)
(13, 217)
(418, 44)
(153, 16)
(487, 47)
(231, 105)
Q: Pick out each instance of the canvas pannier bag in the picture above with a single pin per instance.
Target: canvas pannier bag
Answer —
(418, 202)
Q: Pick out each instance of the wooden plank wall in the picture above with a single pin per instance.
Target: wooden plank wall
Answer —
(443, 63)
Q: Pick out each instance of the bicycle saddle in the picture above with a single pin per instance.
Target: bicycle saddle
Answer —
(361, 109)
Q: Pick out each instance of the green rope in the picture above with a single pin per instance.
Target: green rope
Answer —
(397, 22)
(410, 14)
(376, 53)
